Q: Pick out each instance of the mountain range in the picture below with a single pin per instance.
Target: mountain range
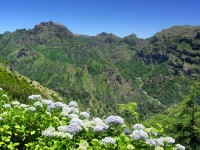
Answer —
(105, 71)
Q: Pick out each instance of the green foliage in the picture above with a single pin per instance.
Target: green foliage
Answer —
(182, 121)
(129, 111)
(37, 125)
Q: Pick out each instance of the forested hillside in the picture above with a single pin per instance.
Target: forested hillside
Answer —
(104, 71)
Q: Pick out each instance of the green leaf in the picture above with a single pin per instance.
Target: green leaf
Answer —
(1, 143)
(32, 132)
(17, 127)
(9, 132)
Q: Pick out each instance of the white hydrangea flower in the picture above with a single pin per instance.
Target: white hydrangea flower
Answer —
(51, 106)
(64, 113)
(151, 142)
(159, 142)
(72, 116)
(138, 127)
(57, 134)
(6, 96)
(38, 104)
(1, 118)
(84, 115)
(15, 103)
(168, 140)
(76, 121)
(65, 108)
(108, 140)
(31, 108)
(23, 105)
(73, 104)
(100, 127)
(115, 120)
(179, 147)
(73, 110)
(97, 121)
(48, 132)
(87, 124)
(35, 97)
(83, 146)
(1, 89)
(139, 134)
(62, 128)
(67, 135)
(47, 102)
(6, 106)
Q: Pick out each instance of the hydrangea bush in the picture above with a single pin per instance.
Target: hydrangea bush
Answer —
(44, 124)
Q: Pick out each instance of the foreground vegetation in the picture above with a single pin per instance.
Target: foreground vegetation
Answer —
(44, 124)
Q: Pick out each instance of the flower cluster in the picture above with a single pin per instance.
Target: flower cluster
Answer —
(108, 140)
(60, 121)
(35, 97)
(115, 120)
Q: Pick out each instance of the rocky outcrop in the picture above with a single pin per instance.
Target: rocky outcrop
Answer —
(23, 53)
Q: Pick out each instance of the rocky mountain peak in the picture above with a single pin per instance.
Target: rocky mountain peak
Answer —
(51, 29)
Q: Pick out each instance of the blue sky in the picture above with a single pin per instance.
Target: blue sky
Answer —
(90, 17)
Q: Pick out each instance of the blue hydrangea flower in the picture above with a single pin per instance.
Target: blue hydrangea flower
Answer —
(31, 108)
(51, 106)
(115, 120)
(59, 105)
(108, 140)
(139, 134)
(127, 131)
(73, 128)
(73, 104)
(138, 127)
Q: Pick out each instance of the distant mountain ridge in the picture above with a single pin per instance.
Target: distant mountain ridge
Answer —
(105, 70)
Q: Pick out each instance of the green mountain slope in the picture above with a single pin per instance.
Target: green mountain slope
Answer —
(20, 87)
(103, 71)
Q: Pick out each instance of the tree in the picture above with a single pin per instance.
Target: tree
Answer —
(188, 126)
